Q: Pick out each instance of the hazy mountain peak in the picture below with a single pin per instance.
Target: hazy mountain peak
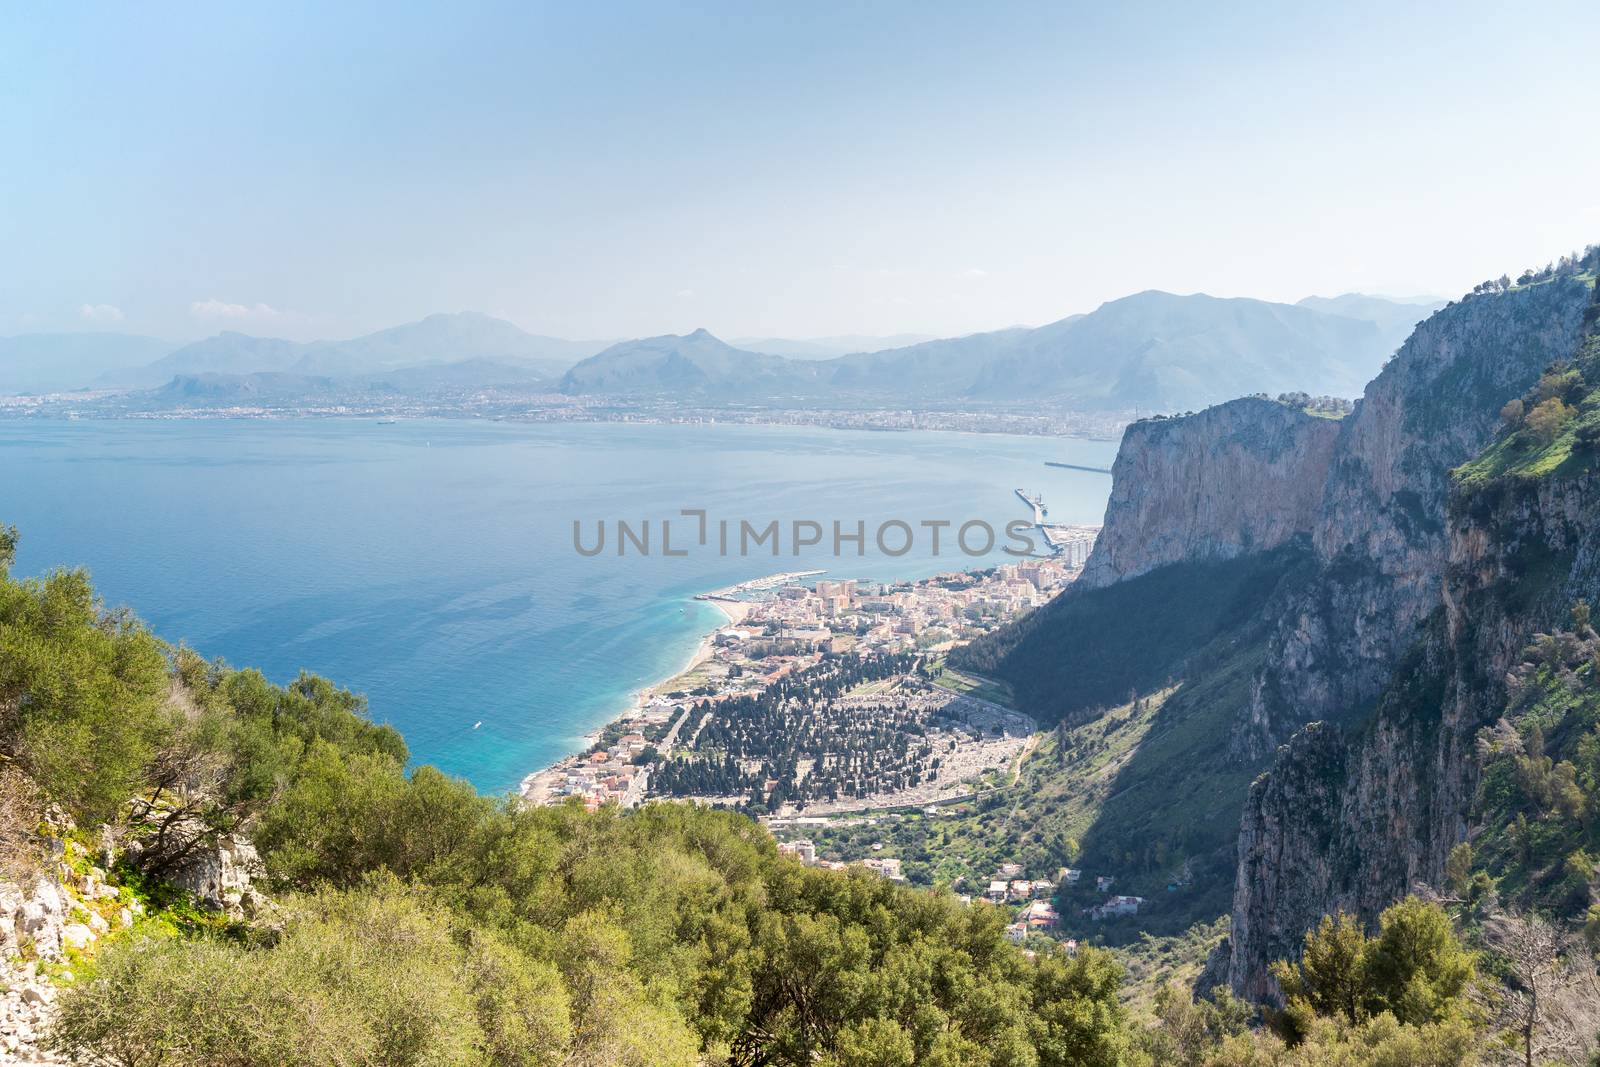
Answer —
(1395, 318)
(698, 362)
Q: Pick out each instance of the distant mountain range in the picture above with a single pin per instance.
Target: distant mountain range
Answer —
(828, 347)
(457, 350)
(467, 337)
(1151, 351)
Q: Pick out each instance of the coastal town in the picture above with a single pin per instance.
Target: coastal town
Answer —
(820, 699)
(544, 405)
(877, 647)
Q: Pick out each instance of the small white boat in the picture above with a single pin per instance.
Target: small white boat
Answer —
(477, 724)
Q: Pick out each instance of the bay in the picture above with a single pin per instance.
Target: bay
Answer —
(431, 564)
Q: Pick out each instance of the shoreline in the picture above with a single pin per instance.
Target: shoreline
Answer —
(733, 612)
(656, 711)
(797, 628)
(63, 407)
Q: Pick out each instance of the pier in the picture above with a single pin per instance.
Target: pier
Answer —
(1035, 502)
(1066, 540)
(1077, 467)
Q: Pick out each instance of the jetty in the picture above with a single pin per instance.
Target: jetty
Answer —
(1077, 467)
(1036, 502)
(1067, 540)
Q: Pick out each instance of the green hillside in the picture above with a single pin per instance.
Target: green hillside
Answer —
(1089, 649)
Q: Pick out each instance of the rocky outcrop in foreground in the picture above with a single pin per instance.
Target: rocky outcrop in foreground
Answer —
(222, 877)
(63, 907)
(45, 918)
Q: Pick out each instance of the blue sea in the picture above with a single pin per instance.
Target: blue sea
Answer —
(431, 564)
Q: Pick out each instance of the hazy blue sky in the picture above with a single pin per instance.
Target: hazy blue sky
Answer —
(598, 170)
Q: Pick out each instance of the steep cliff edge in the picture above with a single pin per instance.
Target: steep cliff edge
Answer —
(1273, 574)
(1241, 477)
(1352, 820)
(1355, 822)
(1380, 536)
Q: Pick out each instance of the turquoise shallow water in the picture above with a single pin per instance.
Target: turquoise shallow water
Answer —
(430, 564)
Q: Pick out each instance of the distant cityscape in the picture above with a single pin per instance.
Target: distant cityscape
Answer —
(515, 405)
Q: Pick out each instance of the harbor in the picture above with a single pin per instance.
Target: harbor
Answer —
(1070, 542)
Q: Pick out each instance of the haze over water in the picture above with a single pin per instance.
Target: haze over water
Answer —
(430, 564)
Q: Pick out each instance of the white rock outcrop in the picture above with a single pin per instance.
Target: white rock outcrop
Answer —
(223, 876)
(32, 918)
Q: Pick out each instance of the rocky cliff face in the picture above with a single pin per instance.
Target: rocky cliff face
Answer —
(1245, 476)
(1394, 637)
(1369, 492)
(1380, 534)
(1355, 823)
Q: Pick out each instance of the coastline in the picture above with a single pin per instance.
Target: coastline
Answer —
(734, 611)
(106, 406)
(617, 756)
(797, 628)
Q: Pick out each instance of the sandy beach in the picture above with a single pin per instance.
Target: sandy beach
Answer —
(536, 785)
(735, 610)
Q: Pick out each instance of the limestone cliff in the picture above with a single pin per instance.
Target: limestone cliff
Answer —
(1369, 492)
(1245, 476)
(1393, 635)
(1355, 824)
(1380, 533)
